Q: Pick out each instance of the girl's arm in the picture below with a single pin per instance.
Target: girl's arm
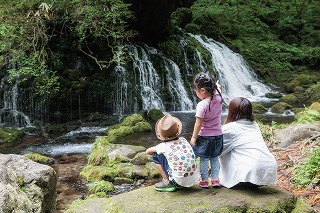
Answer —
(196, 130)
(151, 150)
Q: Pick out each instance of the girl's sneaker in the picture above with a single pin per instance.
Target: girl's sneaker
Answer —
(164, 186)
(215, 182)
(203, 183)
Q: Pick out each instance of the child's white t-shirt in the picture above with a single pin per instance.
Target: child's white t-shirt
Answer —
(181, 160)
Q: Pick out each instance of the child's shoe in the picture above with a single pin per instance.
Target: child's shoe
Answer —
(164, 186)
(215, 182)
(203, 183)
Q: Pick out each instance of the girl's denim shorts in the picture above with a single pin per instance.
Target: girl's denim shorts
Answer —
(208, 146)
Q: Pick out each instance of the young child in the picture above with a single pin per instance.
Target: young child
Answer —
(173, 157)
(207, 138)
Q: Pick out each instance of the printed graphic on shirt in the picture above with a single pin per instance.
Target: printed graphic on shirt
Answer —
(182, 158)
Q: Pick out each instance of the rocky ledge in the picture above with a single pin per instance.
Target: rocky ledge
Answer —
(195, 199)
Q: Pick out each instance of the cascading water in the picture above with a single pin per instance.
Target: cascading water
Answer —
(10, 116)
(234, 74)
(152, 84)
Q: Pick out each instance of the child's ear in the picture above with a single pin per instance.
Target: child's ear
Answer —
(202, 90)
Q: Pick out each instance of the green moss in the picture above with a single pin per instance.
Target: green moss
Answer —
(302, 206)
(289, 99)
(98, 173)
(124, 170)
(258, 108)
(280, 107)
(39, 158)
(98, 154)
(10, 135)
(152, 170)
(155, 114)
(313, 92)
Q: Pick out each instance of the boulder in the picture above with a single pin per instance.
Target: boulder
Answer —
(296, 132)
(26, 186)
(195, 199)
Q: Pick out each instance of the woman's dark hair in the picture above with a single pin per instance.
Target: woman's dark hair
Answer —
(239, 108)
(207, 81)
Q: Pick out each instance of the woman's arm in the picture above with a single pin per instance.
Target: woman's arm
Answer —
(228, 139)
(196, 130)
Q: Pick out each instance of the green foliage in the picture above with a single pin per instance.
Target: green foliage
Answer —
(28, 27)
(10, 135)
(100, 186)
(277, 38)
(103, 21)
(308, 171)
(309, 115)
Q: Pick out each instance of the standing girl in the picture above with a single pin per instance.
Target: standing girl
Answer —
(207, 138)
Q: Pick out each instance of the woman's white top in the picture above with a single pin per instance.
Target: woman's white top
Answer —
(245, 156)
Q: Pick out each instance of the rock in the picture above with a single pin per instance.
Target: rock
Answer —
(141, 158)
(194, 199)
(296, 132)
(26, 186)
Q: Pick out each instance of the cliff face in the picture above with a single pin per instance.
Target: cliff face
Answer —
(152, 17)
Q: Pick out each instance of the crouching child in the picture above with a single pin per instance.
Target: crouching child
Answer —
(173, 156)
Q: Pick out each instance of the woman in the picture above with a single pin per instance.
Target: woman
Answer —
(245, 157)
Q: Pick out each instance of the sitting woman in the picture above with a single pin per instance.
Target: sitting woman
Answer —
(245, 158)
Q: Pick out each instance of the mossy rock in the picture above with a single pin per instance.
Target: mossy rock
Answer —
(132, 120)
(288, 87)
(280, 107)
(315, 106)
(98, 173)
(306, 79)
(40, 158)
(155, 114)
(146, 199)
(273, 95)
(124, 170)
(313, 92)
(122, 180)
(181, 17)
(10, 135)
(152, 170)
(258, 108)
(289, 99)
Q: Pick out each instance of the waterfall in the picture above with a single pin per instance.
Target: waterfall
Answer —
(149, 81)
(234, 74)
(153, 85)
(10, 116)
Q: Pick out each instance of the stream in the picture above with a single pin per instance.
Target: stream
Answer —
(70, 153)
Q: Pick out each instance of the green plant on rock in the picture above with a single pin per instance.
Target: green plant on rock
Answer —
(308, 115)
(101, 186)
(308, 171)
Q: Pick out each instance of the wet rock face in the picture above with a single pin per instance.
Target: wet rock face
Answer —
(152, 17)
(26, 186)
